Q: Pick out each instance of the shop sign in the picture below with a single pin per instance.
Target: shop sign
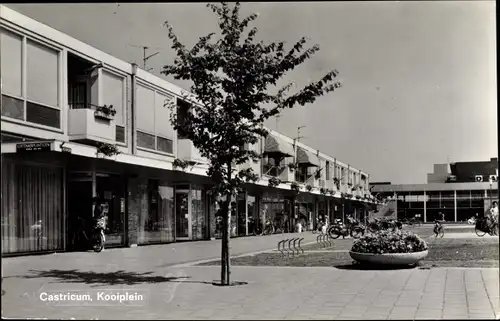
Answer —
(33, 147)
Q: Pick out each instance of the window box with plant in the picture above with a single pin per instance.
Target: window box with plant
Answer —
(105, 112)
(295, 187)
(323, 190)
(108, 150)
(389, 248)
(273, 182)
(309, 187)
(180, 163)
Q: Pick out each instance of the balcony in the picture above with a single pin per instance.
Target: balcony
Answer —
(186, 151)
(85, 124)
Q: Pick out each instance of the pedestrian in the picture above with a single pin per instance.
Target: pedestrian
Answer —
(494, 217)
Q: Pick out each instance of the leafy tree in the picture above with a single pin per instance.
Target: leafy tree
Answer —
(232, 79)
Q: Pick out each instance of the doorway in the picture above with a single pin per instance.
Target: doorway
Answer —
(182, 216)
(79, 209)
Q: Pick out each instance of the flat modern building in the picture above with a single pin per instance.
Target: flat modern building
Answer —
(459, 190)
(57, 124)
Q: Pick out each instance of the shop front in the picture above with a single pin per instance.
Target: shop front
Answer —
(32, 205)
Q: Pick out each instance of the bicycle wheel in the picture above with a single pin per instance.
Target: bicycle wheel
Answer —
(479, 232)
(334, 232)
(258, 231)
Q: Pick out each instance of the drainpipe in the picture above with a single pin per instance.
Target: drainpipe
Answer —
(133, 118)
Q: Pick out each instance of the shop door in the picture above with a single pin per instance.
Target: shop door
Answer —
(79, 209)
(182, 214)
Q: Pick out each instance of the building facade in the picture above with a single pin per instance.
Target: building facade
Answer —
(459, 190)
(54, 95)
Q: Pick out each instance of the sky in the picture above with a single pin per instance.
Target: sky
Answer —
(418, 78)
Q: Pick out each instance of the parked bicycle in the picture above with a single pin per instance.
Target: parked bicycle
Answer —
(352, 228)
(485, 225)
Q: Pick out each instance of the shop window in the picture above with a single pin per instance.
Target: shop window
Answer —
(156, 218)
(32, 214)
(198, 217)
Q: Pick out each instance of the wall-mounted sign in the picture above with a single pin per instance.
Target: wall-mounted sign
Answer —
(33, 147)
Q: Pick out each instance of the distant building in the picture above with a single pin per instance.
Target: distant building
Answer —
(459, 190)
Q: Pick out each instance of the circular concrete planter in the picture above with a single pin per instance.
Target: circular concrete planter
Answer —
(389, 258)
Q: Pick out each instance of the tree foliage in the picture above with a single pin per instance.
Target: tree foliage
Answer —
(232, 79)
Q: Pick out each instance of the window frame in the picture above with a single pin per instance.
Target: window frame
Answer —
(124, 79)
(163, 92)
(25, 38)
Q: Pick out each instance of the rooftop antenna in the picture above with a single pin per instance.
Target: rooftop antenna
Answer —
(144, 57)
(298, 133)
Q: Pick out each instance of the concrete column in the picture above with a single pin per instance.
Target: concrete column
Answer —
(246, 212)
(455, 204)
(425, 207)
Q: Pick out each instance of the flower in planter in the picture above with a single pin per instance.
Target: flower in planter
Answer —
(292, 166)
(295, 187)
(274, 181)
(106, 110)
(107, 149)
(179, 163)
(323, 190)
(389, 242)
(309, 188)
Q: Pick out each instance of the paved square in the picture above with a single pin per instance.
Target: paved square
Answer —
(273, 293)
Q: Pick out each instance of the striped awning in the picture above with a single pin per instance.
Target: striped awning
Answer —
(307, 158)
(277, 147)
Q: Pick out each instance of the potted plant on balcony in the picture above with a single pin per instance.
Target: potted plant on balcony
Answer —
(358, 197)
(292, 166)
(389, 248)
(295, 187)
(274, 181)
(180, 163)
(105, 112)
(309, 187)
(331, 191)
(336, 181)
(107, 149)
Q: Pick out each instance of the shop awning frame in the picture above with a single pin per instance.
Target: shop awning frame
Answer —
(276, 147)
(305, 157)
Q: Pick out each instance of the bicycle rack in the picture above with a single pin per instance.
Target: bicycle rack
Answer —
(292, 249)
(282, 243)
(324, 240)
(300, 248)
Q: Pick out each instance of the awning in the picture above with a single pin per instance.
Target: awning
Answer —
(277, 147)
(307, 158)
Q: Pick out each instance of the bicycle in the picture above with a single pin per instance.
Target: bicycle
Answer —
(438, 229)
(485, 225)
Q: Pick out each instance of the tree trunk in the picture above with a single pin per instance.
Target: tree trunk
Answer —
(227, 240)
(223, 244)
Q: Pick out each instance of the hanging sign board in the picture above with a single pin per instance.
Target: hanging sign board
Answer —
(33, 147)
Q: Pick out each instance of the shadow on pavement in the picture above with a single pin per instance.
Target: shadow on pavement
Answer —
(107, 278)
(366, 267)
